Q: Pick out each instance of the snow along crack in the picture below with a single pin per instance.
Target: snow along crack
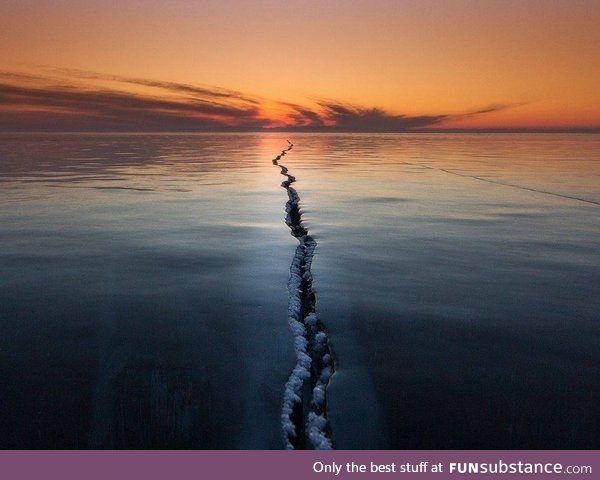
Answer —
(304, 411)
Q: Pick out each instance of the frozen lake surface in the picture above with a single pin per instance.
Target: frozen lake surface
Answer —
(143, 300)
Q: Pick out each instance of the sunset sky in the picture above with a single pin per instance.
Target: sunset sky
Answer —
(355, 65)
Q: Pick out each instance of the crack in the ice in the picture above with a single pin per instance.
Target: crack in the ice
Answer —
(521, 187)
(304, 412)
(504, 184)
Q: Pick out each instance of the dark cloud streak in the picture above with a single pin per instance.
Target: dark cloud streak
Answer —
(338, 116)
(73, 102)
(209, 92)
(352, 118)
(32, 99)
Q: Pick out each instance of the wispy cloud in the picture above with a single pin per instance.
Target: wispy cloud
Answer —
(66, 99)
(339, 116)
(348, 117)
(56, 105)
(193, 90)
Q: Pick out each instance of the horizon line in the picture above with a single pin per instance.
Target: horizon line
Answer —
(586, 130)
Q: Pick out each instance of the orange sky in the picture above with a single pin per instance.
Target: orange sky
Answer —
(536, 62)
